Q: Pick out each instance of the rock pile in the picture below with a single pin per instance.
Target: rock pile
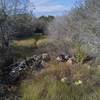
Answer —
(62, 58)
(66, 58)
(34, 62)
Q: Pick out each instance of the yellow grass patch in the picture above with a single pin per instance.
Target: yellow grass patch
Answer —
(31, 42)
(27, 42)
(42, 42)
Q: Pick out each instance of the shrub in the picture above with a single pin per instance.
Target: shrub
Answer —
(80, 54)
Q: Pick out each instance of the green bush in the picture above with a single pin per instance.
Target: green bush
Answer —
(80, 54)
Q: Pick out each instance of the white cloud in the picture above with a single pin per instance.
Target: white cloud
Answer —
(47, 6)
(53, 8)
(42, 2)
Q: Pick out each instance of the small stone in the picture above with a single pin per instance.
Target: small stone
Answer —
(45, 57)
(66, 57)
(20, 69)
(13, 71)
(63, 57)
(59, 59)
(70, 61)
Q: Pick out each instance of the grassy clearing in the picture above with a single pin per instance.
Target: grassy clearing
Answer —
(42, 42)
(48, 86)
(28, 42)
(31, 42)
(55, 90)
(27, 46)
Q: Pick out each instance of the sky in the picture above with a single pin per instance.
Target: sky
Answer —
(51, 7)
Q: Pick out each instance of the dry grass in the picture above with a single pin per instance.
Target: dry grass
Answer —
(47, 84)
(27, 46)
(42, 42)
(27, 42)
(31, 42)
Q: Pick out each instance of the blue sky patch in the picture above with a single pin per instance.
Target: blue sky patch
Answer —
(51, 7)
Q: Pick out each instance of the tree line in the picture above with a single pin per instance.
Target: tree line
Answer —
(17, 21)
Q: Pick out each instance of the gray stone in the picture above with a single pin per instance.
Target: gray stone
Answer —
(45, 57)
(63, 57)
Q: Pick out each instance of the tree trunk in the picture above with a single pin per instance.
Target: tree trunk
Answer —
(4, 39)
